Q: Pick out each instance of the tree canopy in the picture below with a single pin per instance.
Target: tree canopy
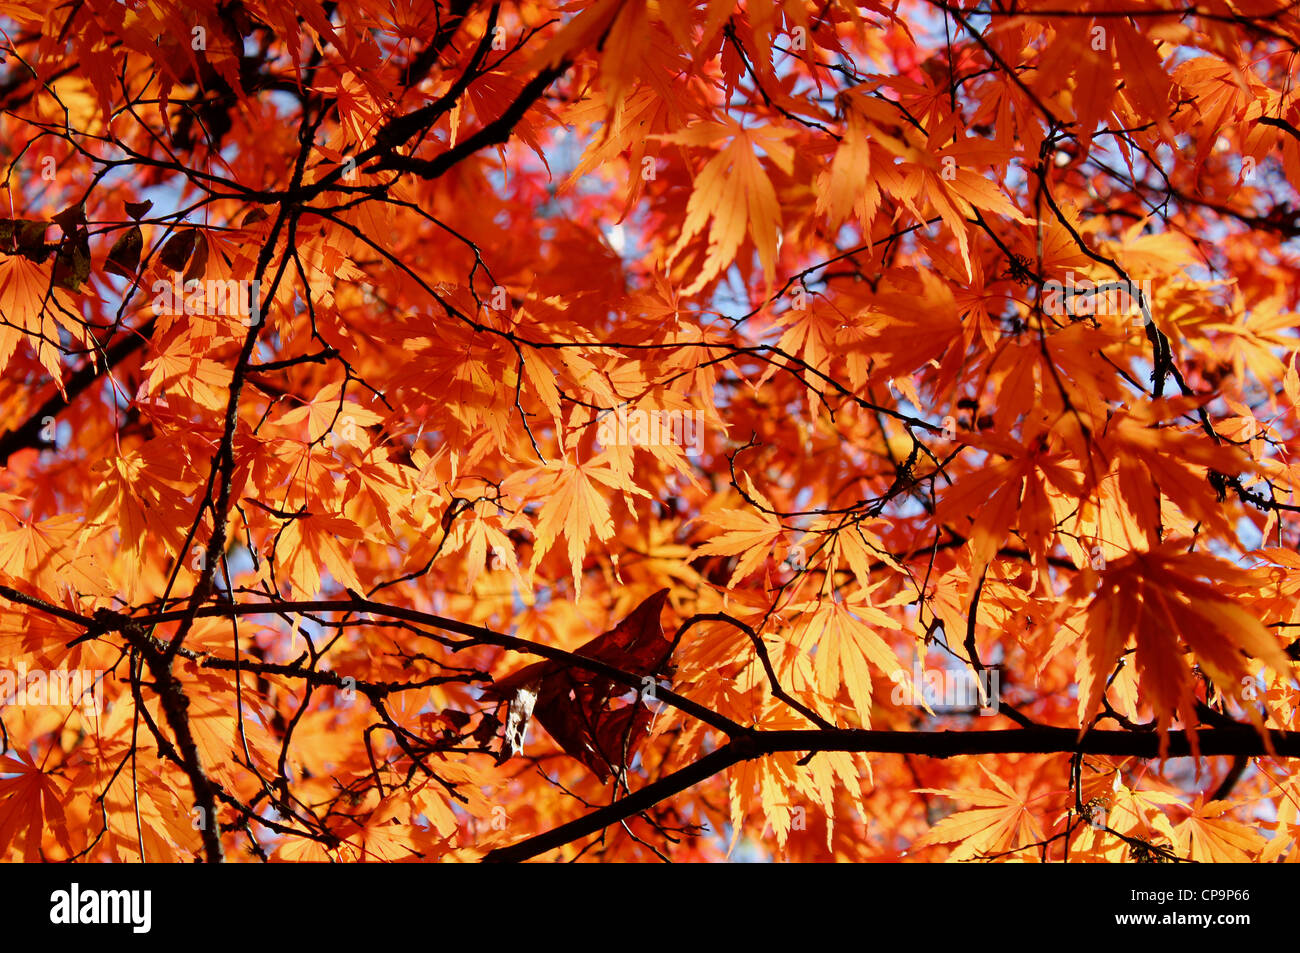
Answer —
(649, 430)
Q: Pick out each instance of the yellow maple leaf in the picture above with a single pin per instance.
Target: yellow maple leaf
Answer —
(327, 413)
(313, 542)
(846, 640)
(1208, 836)
(735, 193)
(572, 505)
(999, 822)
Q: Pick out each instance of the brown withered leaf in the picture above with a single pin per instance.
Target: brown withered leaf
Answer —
(71, 217)
(574, 704)
(72, 266)
(486, 729)
(199, 263)
(24, 237)
(178, 249)
(124, 256)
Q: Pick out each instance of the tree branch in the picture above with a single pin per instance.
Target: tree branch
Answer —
(1243, 741)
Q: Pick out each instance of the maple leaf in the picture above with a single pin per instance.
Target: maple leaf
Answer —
(31, 305)
(846, 187)
(735, 194)
(31, 803)
(1208, 836)
(1161, 601)
(572, 703)
(1015, 489)
(745, 533)
(999, 822)
(182, 368)
(315, 541)
(328, 413)
(1146, 84)
(572, 505)
(845, 636)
